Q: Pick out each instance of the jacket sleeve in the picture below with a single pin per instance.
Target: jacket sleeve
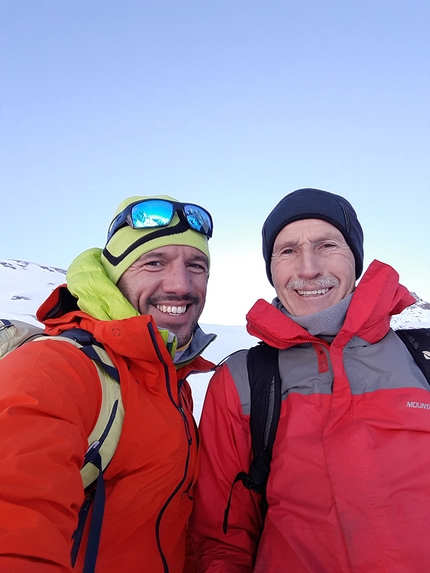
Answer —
(49, 401)
(225, 451)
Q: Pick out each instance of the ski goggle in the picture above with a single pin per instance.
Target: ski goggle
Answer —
(153, 213)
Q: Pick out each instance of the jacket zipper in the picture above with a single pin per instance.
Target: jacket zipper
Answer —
(188, 456)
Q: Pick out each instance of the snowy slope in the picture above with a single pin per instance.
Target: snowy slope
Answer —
(24, 286)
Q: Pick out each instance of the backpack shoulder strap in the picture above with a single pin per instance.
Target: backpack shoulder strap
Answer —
(107, 430)
(265, 387)
(102, 443)
(417, 341)
(104, 438)
(265, 391)
(105, 435)
(86, 342)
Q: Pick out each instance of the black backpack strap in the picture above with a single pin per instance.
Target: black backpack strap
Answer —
(417, 341)
(96, 496)
(265, 391)
(265, 385)
(88, 342)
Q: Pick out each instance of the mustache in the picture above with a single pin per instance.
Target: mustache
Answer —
(154, 300)
(315, 284)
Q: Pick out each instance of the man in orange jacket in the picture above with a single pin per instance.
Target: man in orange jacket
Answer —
(140, 297)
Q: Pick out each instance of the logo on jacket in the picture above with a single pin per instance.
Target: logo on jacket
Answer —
(402, 400)
(421, 405)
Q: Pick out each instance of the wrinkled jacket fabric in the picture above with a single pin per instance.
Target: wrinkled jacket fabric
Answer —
(349, 486)
(50, 398)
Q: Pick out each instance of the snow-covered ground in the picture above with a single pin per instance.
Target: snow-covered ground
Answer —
(24, 286)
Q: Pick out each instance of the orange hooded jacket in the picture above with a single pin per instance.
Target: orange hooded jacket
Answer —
(49, 401)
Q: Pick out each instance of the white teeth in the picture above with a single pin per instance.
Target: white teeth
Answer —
(312, 292)
(171, 309)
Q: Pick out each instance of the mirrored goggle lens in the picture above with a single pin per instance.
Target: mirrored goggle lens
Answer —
(151, 214)
(198, 219)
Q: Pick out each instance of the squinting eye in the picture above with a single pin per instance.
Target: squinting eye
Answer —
(328, 245)
(153, 263)
(198, 267)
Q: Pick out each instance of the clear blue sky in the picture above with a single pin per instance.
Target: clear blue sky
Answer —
(227, 103)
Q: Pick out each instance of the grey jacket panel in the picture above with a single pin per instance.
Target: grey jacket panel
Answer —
(369, 367)
(298, 369)
(236, 363)
(385, 365)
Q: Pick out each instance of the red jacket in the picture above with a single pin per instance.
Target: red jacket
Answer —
(49, 401)
(349, 486)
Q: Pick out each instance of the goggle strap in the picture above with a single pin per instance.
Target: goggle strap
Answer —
(180, 227)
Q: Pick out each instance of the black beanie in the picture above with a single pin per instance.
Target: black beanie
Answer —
(314, 204)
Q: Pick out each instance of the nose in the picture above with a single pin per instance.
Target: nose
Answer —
(177, 281)
(308, 264)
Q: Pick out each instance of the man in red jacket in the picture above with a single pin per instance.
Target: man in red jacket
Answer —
(140, 297)
(348, 488)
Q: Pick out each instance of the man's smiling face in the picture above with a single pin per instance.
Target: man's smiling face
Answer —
(170, 284)
(312, 266)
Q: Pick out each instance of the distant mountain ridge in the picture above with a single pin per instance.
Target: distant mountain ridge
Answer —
(16, 263)
(415, 316)
(25, 285)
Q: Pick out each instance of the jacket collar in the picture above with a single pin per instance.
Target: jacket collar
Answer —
(377, 297)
